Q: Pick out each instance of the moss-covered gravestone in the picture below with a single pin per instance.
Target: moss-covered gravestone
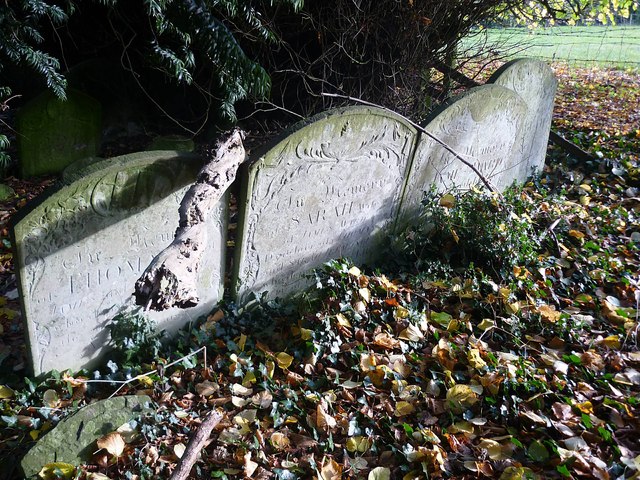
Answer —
(80, 250)
(53, 133)
(73, 440)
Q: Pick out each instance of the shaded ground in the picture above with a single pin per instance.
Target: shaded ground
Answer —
(527, 367)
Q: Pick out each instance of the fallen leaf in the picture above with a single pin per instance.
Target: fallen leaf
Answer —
(112, 443)
(379, 473)
(284, 360)
(57, 470)
(330, 469)
(460, 397)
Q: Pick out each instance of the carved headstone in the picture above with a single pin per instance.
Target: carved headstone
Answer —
(536, 83)
(53, 133)
(81, 249)
(483, 126)
(329, 189)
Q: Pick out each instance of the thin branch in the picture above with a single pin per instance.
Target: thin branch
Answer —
(195, 445)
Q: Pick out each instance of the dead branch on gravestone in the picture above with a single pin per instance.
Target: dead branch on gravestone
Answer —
(195, 445)
(482, 178)
(170, 279)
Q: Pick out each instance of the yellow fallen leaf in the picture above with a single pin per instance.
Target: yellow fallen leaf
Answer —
(576, 234)
(549, 313)
(447, 200)
(324, 421)
(411, 333)
(57, 470)
(5, 392)
(379, 473)
(207, 388)
(585, 407)
(355, 271)
(475, 360)
(613, 342)
(249, 465)
(460, 397)
(112, 443)
(330, 469)
(284, 360)
(401, 312)
(385, 340)
(280, 441)
(358, 444)
(403, 408)
(179, 449)
(50, 398)
(271, 368)
(367, 362)
(365, 294)
(343, 321)
(486, 324)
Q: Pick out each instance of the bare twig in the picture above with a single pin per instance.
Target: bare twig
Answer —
(195, 445)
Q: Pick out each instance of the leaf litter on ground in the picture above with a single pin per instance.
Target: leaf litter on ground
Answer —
(523, 367)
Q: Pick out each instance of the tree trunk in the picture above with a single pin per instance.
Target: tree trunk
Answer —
(170, 279)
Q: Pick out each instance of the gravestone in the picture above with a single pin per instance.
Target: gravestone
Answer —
(73, 440)
(536, 83)
(484, 126)
(81, 249)
(330, 188)
(53, 133)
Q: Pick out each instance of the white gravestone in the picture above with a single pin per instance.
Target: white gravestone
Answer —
(483, 126)
(80, 251)
(330, 189)
(536, 83)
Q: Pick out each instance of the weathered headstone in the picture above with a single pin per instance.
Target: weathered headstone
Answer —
(73, 170)
(52, 133)
(329, 189)
(483, 126)
(536, 83)
(81, 249)
(73, 440)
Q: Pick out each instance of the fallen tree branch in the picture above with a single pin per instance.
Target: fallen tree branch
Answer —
(195, 445)
(170, 279)
(421, 129)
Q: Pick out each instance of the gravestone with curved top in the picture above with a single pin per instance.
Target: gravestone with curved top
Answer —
(328, 189)
(483, 126)
(80, 251)
(536, 83)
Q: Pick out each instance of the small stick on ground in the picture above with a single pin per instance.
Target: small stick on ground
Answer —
(195, 445)
(171, 277)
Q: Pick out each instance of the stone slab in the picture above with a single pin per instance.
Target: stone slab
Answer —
(53, 133)
(536, 83)
(329, 188)
(484, 126)
(80, 250)
(73, 440)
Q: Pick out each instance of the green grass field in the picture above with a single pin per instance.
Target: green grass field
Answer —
(612, 46)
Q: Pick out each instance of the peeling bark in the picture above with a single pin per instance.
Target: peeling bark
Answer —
(170, 279)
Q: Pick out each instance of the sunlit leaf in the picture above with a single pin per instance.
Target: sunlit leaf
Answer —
(113, 443)
(403, 408)
(57, 470)
(330, 469)
(284, 360)
(207, 388)
(323, 419)
(50, 398)
(460, 397)
(358, 444)
(379, 473)
(279, 441)
(5, 392)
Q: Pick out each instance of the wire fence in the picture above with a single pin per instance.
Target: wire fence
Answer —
(606, 46)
